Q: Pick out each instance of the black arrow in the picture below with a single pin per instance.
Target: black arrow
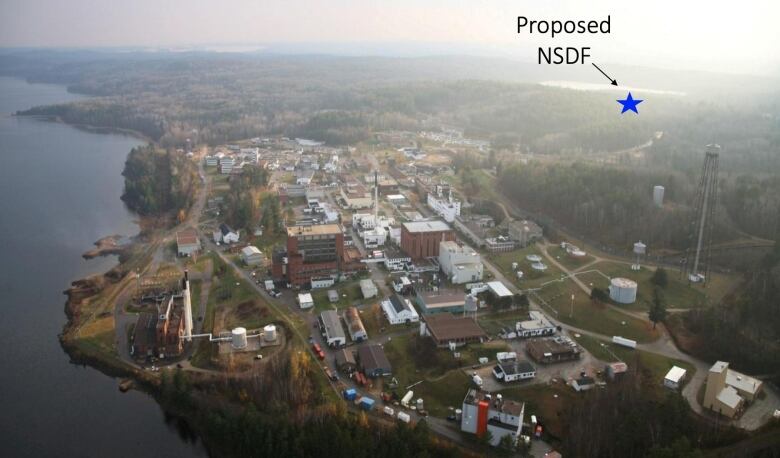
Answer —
(614, 82)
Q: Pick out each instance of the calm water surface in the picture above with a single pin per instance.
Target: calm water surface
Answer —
(59, 193)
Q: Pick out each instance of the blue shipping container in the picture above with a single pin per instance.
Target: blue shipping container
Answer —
(367, 403)
(350, 394)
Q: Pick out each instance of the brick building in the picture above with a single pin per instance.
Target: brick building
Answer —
(420, 239)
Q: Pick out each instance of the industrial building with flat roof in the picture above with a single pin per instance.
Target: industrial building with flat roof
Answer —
(537, 325)
(553, 350)
(445, 329)
(420, 239)
(483, 413)
(332, 331)
(440, 301)
(727, 391)
(459, 262)
(187, 242)
(512, 371)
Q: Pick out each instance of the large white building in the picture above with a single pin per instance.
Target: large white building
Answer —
(460, 263)
(252, 256)
(399, 310)
(537, 325)
(483, 412)
(444, 205)
(332, 331)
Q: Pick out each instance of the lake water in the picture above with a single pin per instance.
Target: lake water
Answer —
(59, 193)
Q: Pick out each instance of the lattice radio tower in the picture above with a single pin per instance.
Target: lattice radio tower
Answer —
(698, 268)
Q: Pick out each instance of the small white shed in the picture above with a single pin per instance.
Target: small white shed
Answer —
(305, 301)
(674, 377)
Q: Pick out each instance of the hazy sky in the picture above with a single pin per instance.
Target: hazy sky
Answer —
(719, 35)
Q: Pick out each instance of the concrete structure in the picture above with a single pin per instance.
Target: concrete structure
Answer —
(499, 244)
(460, 263)
(444, 205)
(674, 377)
(524, 232)
(332, 331)
(553, 350)
(368, 288)
(322, 282)
(728, 391)
(446, 329)
(187, 242)
(357, 332)
(658, 195)
(441, 301)
(483, 412)
(420, 239)
(305, 301)
(622, 290)
(373, 361)
(399, 310)
(536, 326)
(252, 256)
(513, 371)
(356, 196)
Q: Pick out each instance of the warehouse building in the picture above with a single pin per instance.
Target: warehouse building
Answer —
(368, 288)
(553, 350)
(187, 242)
(357, 332)
(441, 301)
(420, 239)
(483, 412)
(345, 361)
(513, 371)
(373, 361)
(536, 326)
(446, 329)
(332, 331)
(399, 310)
(252, 256)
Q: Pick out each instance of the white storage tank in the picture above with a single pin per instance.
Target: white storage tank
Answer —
(658, 196)
(622, 290)
(269, 333)
(238, 338)
(420, 404)
(471, 304)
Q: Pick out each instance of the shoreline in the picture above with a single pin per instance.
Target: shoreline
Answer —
(87, 127)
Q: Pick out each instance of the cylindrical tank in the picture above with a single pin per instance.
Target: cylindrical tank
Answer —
(514, 266)
(458, 414)
(471, 303)
(640, 248)
(420, 404)
(533, 257)
(658, 196)
(622, 290)
(269, 333)
(539, 266)
(238, 338)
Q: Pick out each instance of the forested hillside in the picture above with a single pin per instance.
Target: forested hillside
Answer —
(158, 181)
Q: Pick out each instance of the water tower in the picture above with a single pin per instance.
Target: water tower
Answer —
(471, 305)
(639, 250)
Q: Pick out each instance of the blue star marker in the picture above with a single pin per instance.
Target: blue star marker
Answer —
(629, 103)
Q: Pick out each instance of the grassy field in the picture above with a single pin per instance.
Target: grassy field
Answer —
(438, 396)
(547, 402)
(566, 260)
(349, 294)
(591, 315)
(657, 365)
(678, 293)
(532, 278)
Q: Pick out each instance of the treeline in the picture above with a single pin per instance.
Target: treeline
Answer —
(609, 204)
(285, 413)
(745, 328)
(242, 208)
(158, 181)
(633, 418)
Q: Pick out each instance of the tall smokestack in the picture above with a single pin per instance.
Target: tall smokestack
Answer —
(376, 198)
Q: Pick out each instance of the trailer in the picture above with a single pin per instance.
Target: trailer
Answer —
(407, 397)
(366, 403)
(350, 394)
(389, 411)
(404, 417)
(624, 342)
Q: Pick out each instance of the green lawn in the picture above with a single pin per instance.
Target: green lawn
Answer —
(531, 278)
(678, 293)
(441, 394)
(590, 315)
(349, 294)
(657, 365)
(547, 402)
(567, 260)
